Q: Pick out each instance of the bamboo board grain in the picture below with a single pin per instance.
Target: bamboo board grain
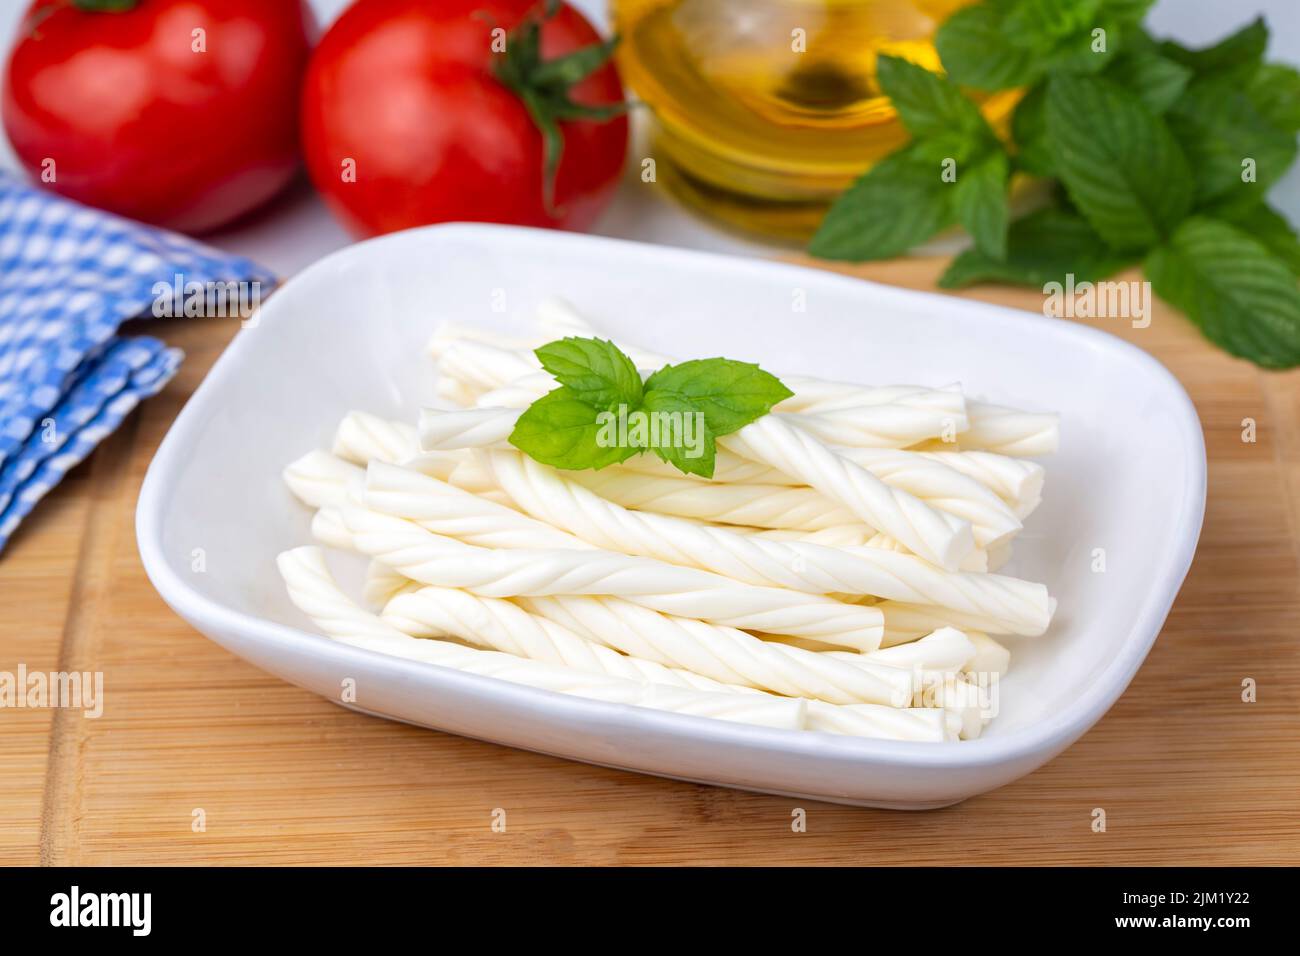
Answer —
(1184, 769)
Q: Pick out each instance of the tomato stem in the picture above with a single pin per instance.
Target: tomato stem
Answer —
(105, 6)
(544, 87)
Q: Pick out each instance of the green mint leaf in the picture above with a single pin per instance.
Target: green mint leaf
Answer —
(1085, 51)
(1120, 164)
(1275, 92)
(1157, 80)
(1245, 48)
(980, 202)
(1243, 298)
(929, 104)
(999, 45)
(1035, 153)
(1269, 228)
(1127, 12)
(1039, 23)
(900, 202)
(562, 430)
(976, 52)
(594, 370)
(1224, 136)
(731, 394)
(681, 436)
(1042, 247)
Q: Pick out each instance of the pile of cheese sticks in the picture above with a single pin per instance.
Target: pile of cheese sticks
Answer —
(838, 573)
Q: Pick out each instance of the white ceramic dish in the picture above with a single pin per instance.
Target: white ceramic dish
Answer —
(349, 332)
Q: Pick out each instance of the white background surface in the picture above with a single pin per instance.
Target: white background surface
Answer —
(297, 230)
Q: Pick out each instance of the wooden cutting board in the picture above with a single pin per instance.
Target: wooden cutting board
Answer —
(1185, 770)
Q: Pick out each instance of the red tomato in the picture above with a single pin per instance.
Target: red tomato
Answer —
(177, 112)
(405, 123)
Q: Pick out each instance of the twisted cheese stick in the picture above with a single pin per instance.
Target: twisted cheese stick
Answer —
(1017, 481)
(382, 584)
(990, 656)
(471, 428)
(504, 626)
(736, 658)
(819, 395)
(929, 477)
(449, 332)
(944, 488)
(472, 476)
(313, 590)
(723, 653)
(319, 479)
(764, 506)
(878, 426)
(906, 622)
(481, 367)
(991, 427)
(945, 649)
(798, 507)
(934, 535)
(1009, 431)
(875, 424)
(997, 603)
(843, 536)
(328, 528)
(727, 466)
(556, 318)
(362, 437)
(455, 513)
(685, 592)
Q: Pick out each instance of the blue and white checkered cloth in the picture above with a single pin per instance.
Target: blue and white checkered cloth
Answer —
(69, 276)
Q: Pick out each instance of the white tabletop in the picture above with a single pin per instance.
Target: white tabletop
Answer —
(297, 229)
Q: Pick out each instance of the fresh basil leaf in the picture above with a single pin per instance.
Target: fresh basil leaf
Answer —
(1275, 92)
(1243, 297)
(562, 430)
(929, 104)
(731, 394)
(980, 202)
(681, 433)
(1220, 129)
(1120, 164)
(594, 370)
(976, 52)
(1042, 247)
(1157, 80)
(1243, 48)
(899, 202)
(1268, 227)
(1029, 131)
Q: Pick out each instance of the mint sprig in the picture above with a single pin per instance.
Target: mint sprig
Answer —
(594, 370)
(908, 196)
(603, 414)
(1160, 154)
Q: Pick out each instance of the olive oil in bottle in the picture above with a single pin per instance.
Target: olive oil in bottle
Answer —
(765, 110)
